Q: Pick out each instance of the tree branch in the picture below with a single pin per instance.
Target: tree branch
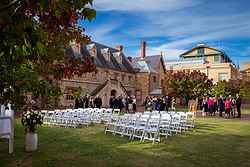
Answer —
(12, 3)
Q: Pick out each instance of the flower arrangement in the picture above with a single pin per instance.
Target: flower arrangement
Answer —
(31, 119)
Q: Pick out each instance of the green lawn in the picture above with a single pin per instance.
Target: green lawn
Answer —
(215, 142)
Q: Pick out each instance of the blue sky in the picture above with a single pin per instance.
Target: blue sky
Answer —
(173, 26)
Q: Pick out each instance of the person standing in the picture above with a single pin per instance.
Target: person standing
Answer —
(215, 109)
(111, 102)
(145, 103)
(210, 103)
(130, 104)
(98, 102)
(162, 104)
(121, 106)
(91, 102)
(173, 104)
(77, 103)
(238, 105)
(149, 104)
(134, 104)
(86, 101)
(167, 102)
(233, 107)
(204, 106)
(227, 107)
(221, 105)
(154, 103)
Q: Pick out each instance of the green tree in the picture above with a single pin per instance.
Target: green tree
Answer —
(34, 35)
(231, 87)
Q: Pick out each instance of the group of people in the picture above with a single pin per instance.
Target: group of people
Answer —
(126, 104)
(230, 105)
(163, 103)
(88, 102)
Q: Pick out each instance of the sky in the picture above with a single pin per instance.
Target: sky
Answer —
(173, 26)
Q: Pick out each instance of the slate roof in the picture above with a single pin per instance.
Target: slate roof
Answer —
(100, 60)
(143, 66)
(148, 64)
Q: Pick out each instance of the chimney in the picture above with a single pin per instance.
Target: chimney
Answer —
(143, 49)
(119, 48)
(129, 59)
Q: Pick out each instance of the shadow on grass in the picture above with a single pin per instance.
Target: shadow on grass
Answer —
(211, 144)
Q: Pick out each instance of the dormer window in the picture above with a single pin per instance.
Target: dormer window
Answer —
(118, 57)
(201, 51)
(106, 54)
(92, 49)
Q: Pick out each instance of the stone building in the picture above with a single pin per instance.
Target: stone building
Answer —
(215, 63)
(245, 72)
(116, 74)
(150, 74)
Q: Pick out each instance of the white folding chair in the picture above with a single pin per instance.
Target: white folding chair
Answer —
(151, 132)
(190, 120)
(165, 125)
(7, 128)
(176, 123)
(140, 126)
(110, 126)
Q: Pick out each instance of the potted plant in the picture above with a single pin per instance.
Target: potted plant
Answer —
(30, 120)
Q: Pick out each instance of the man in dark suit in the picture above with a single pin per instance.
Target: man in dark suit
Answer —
(238, 105)
(221, 105)
(98, 102)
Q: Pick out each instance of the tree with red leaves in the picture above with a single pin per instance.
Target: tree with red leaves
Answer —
(188, 85)
(34, 35)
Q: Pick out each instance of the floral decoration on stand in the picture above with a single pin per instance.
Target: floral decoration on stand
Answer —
(31, 119)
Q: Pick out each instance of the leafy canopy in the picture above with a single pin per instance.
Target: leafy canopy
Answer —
(34, 35)
(189, 85)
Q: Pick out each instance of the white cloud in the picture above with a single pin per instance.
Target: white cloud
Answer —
(100, 32)
(171, 20)
(168, 53)
(144, 5)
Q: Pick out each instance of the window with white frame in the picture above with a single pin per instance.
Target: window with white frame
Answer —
(223, 76)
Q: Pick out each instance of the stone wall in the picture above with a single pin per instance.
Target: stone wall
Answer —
(142, 86)
(90, 81)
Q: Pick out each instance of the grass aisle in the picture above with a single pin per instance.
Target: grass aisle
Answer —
(215, 142)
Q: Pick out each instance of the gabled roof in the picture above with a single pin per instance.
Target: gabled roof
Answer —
(148, 64)
(98, 88)
(222, 53)
(201, 46)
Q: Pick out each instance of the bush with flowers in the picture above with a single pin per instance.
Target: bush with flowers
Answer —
(31, 119)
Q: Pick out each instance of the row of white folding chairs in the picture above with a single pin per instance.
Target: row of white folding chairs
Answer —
(77, 117)
(148, 126)
(64, 119)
